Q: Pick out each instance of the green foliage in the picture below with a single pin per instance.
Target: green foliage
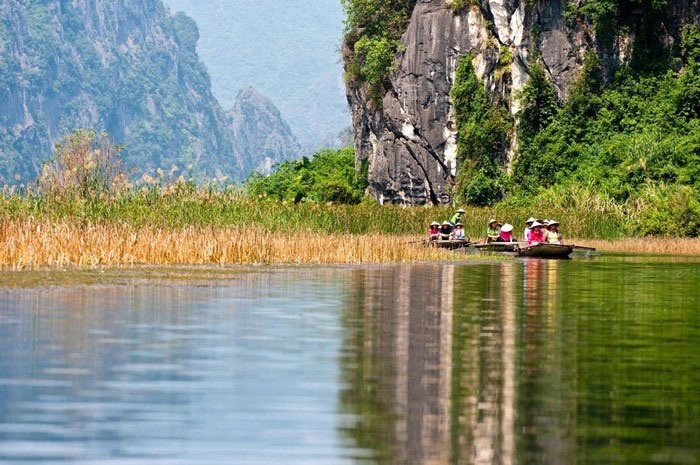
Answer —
(460, 5)
(540, 104)
(607, 15)
(373, 31)
(374, 59)
(672, 211)
(643, 20)
(329, 177)
(153, 96)
(690, 44)
(482, 129)
(636, 142)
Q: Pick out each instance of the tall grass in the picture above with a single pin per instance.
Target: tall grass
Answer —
(207, 207)
(647, 245)
(31, 244)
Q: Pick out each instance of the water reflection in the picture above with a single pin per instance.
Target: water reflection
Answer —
(538, 362)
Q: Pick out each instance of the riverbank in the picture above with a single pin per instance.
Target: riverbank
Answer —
(647, 245)
(36, 244)
(32, 244)
(183, 224)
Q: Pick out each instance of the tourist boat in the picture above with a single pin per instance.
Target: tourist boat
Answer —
(450, 245)
(501, 246)
(546, 251)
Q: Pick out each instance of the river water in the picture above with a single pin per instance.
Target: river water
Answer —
(587, 361)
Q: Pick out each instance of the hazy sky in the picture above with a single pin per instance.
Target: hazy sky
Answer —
(287, 49)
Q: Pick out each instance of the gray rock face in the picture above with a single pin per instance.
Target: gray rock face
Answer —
(411, 141)
(261, 135)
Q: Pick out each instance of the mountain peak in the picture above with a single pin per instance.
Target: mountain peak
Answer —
(260, 132)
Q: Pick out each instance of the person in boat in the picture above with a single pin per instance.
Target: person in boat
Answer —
(434, 231)
(506, 233)
(457, 217)
(445, 231)
(458, 233)
(552, 234)
(493, 230)
(528, 226)
(536, 234)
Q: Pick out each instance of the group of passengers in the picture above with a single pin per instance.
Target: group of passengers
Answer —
(536, 231)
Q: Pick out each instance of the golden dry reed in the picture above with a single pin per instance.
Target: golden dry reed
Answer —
(647, 245)
(32, 244)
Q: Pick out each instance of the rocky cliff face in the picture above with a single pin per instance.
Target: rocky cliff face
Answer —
(126, 67)
(261, 136)
(410, 139)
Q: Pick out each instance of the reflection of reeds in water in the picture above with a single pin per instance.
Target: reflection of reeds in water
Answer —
(34, 244)
(678, 246)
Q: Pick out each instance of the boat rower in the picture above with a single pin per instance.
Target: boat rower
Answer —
(493, 231)
(528, 226)
(536, 234)
(506, 233)
(457, 217)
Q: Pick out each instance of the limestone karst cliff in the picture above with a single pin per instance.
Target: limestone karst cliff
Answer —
(126, 67)
(409, 133)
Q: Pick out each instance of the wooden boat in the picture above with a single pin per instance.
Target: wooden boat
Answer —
(546, 251)
(501, 246)
(450, 245)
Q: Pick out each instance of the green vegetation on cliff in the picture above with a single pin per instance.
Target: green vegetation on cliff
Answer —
(635, 142)
(373, 31)
(630, 145)
(482, 131)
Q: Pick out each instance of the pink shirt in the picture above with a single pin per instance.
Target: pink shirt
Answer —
(506, 236)
(536, 235)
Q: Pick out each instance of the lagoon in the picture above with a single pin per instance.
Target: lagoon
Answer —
(583, 361)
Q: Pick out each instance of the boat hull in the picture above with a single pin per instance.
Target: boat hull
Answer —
(500, 247)
(546, 251)
(450, 245)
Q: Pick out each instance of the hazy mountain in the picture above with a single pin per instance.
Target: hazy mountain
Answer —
(261, 135)
(287, 49)
(124, 66)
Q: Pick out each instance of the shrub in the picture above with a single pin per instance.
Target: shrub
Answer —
(374, 28)
(329, 177)
(374, 58)
(85, 164)
(666, 211)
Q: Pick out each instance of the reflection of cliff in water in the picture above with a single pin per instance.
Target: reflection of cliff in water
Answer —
(430, 364)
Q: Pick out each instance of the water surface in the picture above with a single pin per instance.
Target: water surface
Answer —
(521, 362)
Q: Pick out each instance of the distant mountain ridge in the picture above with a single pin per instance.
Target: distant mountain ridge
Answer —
(126, 67)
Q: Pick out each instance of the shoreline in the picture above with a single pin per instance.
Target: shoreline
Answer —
(645, 246)
(51, 245)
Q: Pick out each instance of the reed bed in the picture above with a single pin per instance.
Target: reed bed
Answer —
(231, 208)
(34, 244)
(647, 245)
